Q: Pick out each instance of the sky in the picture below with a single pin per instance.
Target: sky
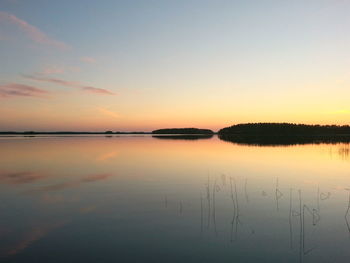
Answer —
(87, 65)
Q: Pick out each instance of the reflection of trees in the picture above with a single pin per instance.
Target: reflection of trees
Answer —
(183, 137)
(283, 140)
(344, 151)
(285, 129)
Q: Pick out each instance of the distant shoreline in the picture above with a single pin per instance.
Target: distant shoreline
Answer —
(246, 129)
(70, 133)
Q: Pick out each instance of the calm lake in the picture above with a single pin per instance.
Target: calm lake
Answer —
(146, 199)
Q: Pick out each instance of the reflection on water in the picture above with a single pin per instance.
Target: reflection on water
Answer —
(344, 151)
(137, 199)
(183, 136)
(274, 140)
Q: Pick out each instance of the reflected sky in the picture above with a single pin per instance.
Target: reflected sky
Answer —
(131, 198)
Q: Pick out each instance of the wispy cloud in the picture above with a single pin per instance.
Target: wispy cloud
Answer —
(15, 89)
(57, 69)
(31, 31)
(88, 60)
(108, 112)
(54, 80)
(71, 84)
(97, 90)
(49, 70)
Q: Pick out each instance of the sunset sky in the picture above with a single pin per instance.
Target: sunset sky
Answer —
(141, 65)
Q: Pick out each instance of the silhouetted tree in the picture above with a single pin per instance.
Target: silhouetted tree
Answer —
(183, 131)
(285, 129)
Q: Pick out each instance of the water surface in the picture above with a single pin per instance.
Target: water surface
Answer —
(145, 199)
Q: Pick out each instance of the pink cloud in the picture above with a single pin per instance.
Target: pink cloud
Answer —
(88, 60)
(98, 90)
(108, 112)
(31, 31)
(48, 70)
(14, 89)
(54, 80)
(70, 84)
(57, 69)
